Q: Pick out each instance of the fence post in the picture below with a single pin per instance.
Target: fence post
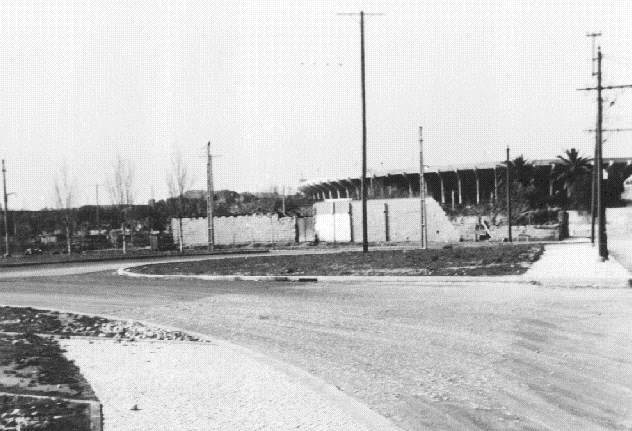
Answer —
(386, 229)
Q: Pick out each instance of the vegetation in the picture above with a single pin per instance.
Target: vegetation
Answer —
(530, 195)
(573, 173)
(25, 226)
(483, 260)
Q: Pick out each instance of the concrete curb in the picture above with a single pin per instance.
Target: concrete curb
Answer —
(359, 411)
(335, 278)
(132, 258)
(594, 283)
(600, 283)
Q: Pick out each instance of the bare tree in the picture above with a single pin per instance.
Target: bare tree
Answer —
(64, 190)
(179, 179)
(120, 184)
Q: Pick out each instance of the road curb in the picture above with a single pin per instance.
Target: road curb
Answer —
(594, 283)
(227, 252)
(599, 283)
(358, 410)
(125, 271)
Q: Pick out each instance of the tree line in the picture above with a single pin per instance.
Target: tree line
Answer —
(572, 188)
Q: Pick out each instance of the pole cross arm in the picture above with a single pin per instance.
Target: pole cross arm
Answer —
(358, 13)
(609, 87)
(608, 130)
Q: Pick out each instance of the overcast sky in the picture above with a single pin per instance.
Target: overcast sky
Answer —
(275, 85)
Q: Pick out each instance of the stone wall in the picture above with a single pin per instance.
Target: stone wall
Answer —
(237, 230)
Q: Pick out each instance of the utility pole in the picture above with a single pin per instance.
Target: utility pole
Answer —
(98, 224)
(365, 234)
(422, 192)
(6, 210)
(593, 199)
(363, 191)
(508, 190)
(602, 239)
(283, 201)
(209, 198)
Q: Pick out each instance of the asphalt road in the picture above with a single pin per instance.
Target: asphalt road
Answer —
(428, 356)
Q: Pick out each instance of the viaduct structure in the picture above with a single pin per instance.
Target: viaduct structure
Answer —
(459, 184)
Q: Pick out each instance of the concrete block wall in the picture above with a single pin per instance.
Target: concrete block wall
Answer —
(402, 216)
(237, 230)
(619, 222)
(333, 221)
(305, 229)
(525, 233)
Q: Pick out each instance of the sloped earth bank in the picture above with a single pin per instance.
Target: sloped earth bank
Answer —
(40, 389)
(497, 259)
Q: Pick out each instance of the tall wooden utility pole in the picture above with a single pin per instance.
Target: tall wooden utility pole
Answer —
(365, 234)
(6, 210)
(602, 239)
(593, 198)
(209, 198)
(363, 191)
(422, 192)
(508, 190)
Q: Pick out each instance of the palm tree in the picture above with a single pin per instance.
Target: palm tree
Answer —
(571, 169)
(521, 171)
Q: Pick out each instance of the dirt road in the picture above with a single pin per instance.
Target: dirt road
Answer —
(501, 357)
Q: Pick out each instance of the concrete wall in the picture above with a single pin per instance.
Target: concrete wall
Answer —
(396, 220)
(333, 220)
(619, 222)
(466, 226)
(305, 229)
(236, 230)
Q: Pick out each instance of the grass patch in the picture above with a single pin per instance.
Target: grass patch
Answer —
(19, 412)
(34, 365)
(39, 387)
(501, 259)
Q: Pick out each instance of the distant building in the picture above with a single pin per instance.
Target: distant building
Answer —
(195, 194)
(470, 183)
(48, 238)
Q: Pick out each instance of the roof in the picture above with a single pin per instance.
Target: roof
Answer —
(450, 168)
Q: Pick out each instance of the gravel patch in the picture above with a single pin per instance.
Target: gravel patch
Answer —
(198, 386)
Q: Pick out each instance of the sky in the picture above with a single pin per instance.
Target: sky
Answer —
(275, 86)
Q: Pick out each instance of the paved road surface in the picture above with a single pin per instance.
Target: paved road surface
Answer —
(502, 357)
